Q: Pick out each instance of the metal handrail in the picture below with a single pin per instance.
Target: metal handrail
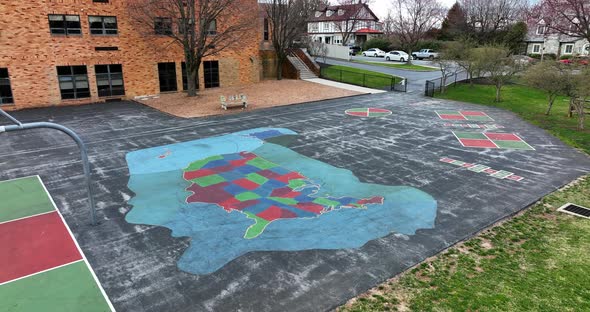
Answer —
(85, 164)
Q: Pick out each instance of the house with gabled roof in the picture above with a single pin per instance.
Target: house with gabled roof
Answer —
(542, 39)
(349, 24)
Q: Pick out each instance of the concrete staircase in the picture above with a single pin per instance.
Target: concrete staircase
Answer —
(304, 72)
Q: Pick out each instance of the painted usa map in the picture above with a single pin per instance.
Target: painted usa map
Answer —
(262, 190)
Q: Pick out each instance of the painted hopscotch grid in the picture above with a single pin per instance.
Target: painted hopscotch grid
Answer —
(463, 115)
(368, 112)
(43, 267)
(473, 126)
(491, 140)
(499, 174)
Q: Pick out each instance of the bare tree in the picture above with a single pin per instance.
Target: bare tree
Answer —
(356, 13)
(412, 19)
(496, 63)
(567, 17)
(485, 18)
(551, 77)
(200, 27)
(288, 21)
(580, 96)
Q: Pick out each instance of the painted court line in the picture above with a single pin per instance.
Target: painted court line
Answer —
(496, 146)
(31, 216)
(478, 168)
(104, 294)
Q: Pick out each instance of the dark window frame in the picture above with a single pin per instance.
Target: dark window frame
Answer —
(163, 26)
(211, 74)
(110, 75)
(167, 77)
(212, 32)
(104, 31)
(100, 1)
(266, 31)
(67, 31)
(6, 98)
(74, 77)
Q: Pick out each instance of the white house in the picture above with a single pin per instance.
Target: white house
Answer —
(353, 23)
(542, 40)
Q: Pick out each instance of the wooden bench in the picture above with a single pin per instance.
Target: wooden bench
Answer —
(234, 101)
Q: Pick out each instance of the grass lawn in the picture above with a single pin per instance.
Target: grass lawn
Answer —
(537, 261)
(404, 66)
(530, 104)
(359, 77)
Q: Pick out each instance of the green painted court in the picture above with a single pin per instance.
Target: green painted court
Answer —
(43, 268)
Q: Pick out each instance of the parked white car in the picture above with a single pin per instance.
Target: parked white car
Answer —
(400, 56)
(374, 52)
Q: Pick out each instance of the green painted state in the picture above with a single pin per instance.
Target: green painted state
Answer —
(296, 183)
(257, 228)
(67, 289)
(256, 178)
(326, 202)
(470, 135)
(200, 163)
(284, 200)
(513, 145)
(261, 163)
(22, 198)
(208, 180)
(247, 196)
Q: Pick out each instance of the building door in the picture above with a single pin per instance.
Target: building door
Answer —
(167, 76)
(211, 72)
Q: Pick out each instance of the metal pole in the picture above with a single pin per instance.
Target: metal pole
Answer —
(73, 135)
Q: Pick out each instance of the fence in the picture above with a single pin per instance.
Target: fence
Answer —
(436, 85)
(382, 82)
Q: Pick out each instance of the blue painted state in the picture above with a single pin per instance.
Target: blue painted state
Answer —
(217, 237)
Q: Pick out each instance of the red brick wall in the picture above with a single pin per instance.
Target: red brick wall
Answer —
(31, 53)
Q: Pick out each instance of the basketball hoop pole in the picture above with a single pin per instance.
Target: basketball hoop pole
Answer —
(85, 164)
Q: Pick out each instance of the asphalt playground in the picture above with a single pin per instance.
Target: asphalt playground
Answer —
(477, 164)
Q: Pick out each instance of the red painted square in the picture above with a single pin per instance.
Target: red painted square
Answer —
(247, 184)
(473, 113)
(34, 244)
(447, 160)
(478, 143)
(468, 165)
(456, 117)
(490, 171)
(502, 136)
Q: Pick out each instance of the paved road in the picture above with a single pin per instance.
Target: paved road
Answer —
(416, 79)
(137, 264)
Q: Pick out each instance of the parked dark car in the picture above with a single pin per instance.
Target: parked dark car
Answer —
(354, 50)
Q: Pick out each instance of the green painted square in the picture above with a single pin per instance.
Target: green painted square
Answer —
(200, 163)
(470, 135)
(478, 168)
(208, 180)
(247, 196)
(501, 174)
(284, 200)
(256, 178)
(448, 112)
(326, 202)
(69, 288)
(458, 163)
(479, 118)
(23, 197)
(261, 163)
(513, 145)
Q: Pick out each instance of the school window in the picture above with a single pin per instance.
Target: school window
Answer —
(65, 24)
(73, 82)
(536, 48)
(103, 25)
(266, 29)
(109, 80)
(212, 29)
(163, 26)
(5, 90)
(569, 49)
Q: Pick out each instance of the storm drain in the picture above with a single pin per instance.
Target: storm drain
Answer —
(575, 210)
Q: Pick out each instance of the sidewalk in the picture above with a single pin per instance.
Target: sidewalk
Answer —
(344, 86)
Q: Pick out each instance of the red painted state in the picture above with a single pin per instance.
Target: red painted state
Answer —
(473, 113)
(455, 117)
(34, 244)
(247, 184)
(502, 136)
(189, 175)
(478, 143)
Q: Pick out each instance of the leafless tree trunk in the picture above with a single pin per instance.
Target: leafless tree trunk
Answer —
(288, 21)
(412, 19)
(200, 27)
(486, 17)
